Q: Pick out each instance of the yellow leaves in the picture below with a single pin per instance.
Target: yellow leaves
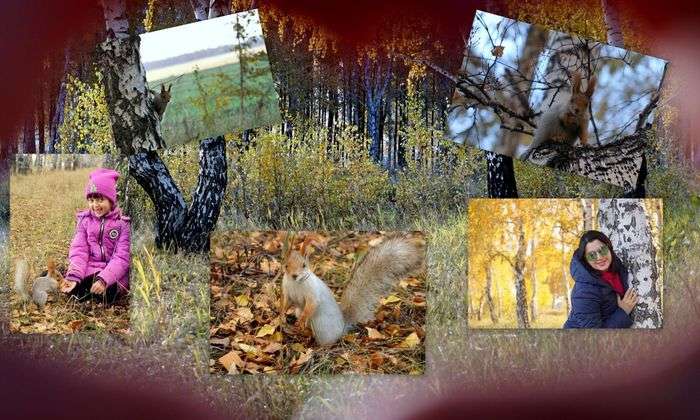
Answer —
(242, 300)
(410, 342)
(248, 349)
(267, 329)
(390, 299)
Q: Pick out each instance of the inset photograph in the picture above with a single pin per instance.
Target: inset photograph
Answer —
(69, 246)
(565, 263)
(318, 302)
(210, 77)
(555, 99)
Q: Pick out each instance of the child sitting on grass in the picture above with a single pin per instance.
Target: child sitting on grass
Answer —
(100, 251)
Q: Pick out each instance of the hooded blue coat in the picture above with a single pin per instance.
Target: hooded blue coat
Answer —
(593, 301)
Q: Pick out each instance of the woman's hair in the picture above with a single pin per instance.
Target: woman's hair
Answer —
(591, 236)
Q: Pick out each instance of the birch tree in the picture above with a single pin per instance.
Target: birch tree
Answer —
(625, 222)
(136, 131)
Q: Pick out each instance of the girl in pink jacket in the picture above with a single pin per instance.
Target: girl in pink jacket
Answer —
(100, 251)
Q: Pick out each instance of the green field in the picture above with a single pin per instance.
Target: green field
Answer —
(216, 101)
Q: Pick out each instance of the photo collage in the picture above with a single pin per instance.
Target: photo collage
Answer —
(229, 190)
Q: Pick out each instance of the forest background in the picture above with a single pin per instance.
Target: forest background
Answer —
(361, 147)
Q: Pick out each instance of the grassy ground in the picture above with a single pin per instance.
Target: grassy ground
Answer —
(42, 225)
(194, 113)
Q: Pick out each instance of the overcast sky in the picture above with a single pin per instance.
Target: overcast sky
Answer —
(192, 37)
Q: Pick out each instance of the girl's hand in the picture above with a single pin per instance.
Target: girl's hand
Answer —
(628, 301)
(98, 287)
(67, 286)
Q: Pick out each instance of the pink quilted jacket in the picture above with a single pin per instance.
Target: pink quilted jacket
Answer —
(101, 245)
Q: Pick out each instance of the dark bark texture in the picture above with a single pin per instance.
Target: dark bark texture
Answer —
(620, 163)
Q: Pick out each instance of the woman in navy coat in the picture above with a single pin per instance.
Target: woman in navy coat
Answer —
(601, 297)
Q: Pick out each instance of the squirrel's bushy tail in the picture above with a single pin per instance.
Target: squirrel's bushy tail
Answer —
(21, 278)
(378, 273)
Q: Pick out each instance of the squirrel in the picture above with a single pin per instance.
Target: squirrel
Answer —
(160, 100)
(567, 119)
(374, 276)
(41, 287)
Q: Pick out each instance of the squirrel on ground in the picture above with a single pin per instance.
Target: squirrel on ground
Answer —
(567, 119)
(41, 287)
(160, 100)
(375, 275)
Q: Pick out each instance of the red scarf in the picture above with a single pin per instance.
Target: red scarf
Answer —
(613, 279)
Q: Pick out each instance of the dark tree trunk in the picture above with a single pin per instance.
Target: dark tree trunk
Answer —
(58, 106)
(500, 176)
(41, 120)
(376, 79)
(153, 176)
(208, 196)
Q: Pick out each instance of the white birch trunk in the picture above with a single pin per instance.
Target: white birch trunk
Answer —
(625, 222)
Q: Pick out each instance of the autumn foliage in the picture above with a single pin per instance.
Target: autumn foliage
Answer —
(248, 335)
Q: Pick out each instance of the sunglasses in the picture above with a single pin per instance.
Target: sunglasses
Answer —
(603, 251)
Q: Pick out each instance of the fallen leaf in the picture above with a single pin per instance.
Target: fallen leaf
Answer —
(269, 266)
(245, 314)
(247, 348)
(273, 348)
(409, 342)
(76, 324)
(391, 299)
(267, 329)
(272, 246)
(419, 300)
(242, 300)
(374, 334)
(303, 358)
(298, 347)
(376, 360)
(230, 361)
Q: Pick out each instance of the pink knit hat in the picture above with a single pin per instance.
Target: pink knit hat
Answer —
(103, 181)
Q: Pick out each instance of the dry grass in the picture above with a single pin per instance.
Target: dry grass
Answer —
(42, 224)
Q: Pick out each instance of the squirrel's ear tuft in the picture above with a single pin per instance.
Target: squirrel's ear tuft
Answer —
(169, 86)
(288, 245)
(305, 248)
